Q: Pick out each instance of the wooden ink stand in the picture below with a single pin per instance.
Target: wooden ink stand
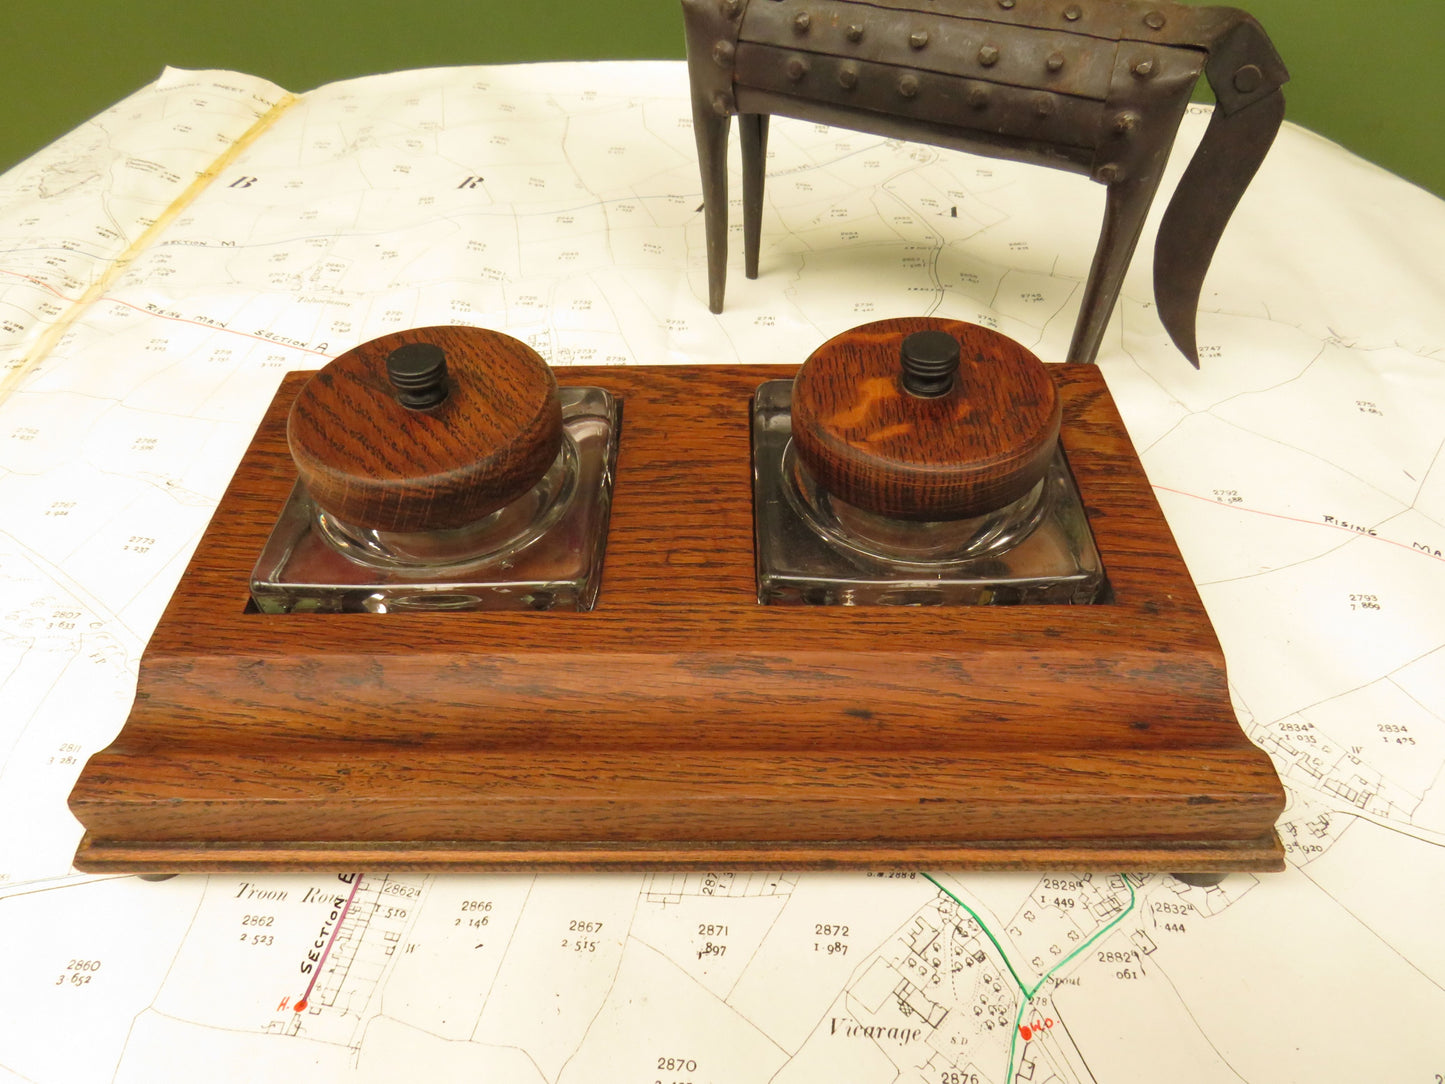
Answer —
(681, 724)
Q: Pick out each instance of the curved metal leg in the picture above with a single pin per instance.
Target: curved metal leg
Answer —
(155, 876)
(1233, 147)
(1199, 880)
(753, 129)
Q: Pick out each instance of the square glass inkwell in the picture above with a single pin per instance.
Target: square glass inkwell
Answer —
(917, 462)
(442, 469)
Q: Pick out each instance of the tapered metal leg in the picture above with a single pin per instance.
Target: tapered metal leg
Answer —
(711, 130)
(753, 129)
(1125, 208)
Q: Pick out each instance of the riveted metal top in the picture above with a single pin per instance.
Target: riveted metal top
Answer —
(1093, 86)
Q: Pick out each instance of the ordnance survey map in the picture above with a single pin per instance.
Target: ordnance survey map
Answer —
(164, 265)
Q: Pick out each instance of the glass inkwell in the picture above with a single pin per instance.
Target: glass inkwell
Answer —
(442, 469)
(917, 462)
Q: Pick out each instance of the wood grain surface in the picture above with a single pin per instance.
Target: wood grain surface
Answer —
(680, 721)
(374, 463)
(977, 448)
(1260, 855)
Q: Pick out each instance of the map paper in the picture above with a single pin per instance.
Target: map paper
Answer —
(164, 266)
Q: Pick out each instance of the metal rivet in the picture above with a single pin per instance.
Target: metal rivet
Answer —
(848, 77)
(722, 103)
(908, 86)
(1044, 105)
(1248, 79)
(1007, 5)
(988, 56)
(1109, 173)
(1072, 13)
(730, 8)
(801, 22)
(979, 97)
(1154, 20)
(855, 32)
(918, 39)
(1143, 68)
(722, 53)
(797, 68)
(1055, 62)
(1126, 122)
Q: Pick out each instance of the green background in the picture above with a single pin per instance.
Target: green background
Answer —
(1370, 76)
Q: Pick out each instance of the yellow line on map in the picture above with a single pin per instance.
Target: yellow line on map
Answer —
(53, 334)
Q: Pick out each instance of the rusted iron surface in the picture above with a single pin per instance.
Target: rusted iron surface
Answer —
(1096, 87)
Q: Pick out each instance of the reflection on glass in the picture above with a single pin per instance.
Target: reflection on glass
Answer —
(813, 548)
(541, 552)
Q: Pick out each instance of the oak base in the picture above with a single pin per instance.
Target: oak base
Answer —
(680, 724)
(1207, 858)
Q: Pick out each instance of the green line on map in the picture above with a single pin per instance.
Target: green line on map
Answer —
(1029, 992)
(984, 927)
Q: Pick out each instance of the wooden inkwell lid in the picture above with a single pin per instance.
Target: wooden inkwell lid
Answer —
(925, 419)
(426, 429)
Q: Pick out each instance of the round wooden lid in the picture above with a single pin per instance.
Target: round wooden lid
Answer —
(953, 446)
(483, 426)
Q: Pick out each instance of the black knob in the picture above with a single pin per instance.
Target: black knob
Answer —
(930, 358)
(418, 372)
